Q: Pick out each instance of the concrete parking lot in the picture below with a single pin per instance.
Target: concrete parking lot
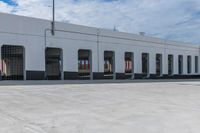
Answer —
(99, 107)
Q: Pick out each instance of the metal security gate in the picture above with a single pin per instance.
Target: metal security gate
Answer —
(180, 64)
(129, 65)
(158, 65)
(145, 64)
(53, 63)
(170, 65)
(12, 62)
(85, 64)
(109, 65)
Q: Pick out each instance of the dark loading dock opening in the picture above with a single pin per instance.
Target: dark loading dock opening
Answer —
(180, 64)
(170, 65)
(158, 65)
(189, 64)
(12, 62)
(129, 65)
(53, 63)
(145, 64)
(196, 64)
(84, 64)
(109, 62)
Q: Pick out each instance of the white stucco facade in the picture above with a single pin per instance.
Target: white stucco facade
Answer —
(35, 35)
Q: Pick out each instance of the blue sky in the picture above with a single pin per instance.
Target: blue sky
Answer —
(10, 2)
(177, 20)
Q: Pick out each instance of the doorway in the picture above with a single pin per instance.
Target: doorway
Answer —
(145, 64)
(109, 65)
(12, 62)
(85, 64)
(53, 63)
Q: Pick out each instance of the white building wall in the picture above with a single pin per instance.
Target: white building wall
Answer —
(185, 64)
(193, 64)
(176, 64)
(119, 57)
(164, 63)
(152, 63)
(35, 35)
(137, 62)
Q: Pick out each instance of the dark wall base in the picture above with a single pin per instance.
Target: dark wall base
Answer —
(13, 77)
(84, 78)
(71, 75)
(153, 76)
(128, 76)
(120, 76)
(98, 75)
(40, 75)
(186, 76)
(140, 76)
(101, 76)
(35, 75)
(108, 77)
(53, 77)
(165, 76)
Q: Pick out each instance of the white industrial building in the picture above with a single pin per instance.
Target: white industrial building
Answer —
(30, 52)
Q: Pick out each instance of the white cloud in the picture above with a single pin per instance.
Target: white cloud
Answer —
(172, 19)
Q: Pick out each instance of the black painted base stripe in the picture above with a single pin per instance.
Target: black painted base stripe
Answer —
(40, 75)
(121, 76)
(98, 75)
(71, 75)
(140, 76)
(35, 75)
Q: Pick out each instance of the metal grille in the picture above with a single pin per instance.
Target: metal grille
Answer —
(53, 63)
(128, 63)
(189, 64)
(170, 64)
(196, 64)
(84, 64)
(180, 64)
(12, 62)
(109, 64)
(145, 63)
(158, 64)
